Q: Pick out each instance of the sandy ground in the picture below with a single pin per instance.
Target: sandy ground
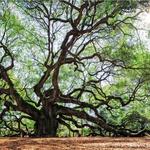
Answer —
(76, 143)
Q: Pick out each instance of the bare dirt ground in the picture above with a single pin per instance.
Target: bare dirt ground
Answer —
(75, 143)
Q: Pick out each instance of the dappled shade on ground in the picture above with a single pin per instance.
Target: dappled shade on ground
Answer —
(76, 143)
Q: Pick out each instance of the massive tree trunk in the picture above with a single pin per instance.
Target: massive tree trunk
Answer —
(47, 123)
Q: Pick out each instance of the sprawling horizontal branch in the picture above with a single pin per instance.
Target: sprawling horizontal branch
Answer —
(116, 130)
(83, 115)
(22, 105)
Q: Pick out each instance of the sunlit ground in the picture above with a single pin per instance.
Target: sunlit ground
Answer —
(76, 143)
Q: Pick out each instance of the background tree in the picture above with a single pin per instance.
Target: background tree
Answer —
(72, 63)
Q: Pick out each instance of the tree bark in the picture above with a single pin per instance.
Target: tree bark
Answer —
(47, 123)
